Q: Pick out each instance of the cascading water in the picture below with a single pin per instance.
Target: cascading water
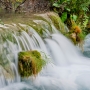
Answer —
(87, 46)
(67, 69)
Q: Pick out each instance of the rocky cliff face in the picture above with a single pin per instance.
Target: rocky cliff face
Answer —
(36, 6)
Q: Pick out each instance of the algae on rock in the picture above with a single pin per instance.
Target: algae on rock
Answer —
(30, 63)
(56, 21)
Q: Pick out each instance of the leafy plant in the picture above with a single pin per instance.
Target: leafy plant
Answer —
(73, 10)
(72, 6)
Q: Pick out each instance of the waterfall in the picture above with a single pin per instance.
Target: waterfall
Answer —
(87, 46)
(67, 69)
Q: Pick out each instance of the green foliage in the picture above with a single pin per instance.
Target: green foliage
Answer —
(77, 9)
(73, 10)
(64, 16)
(73, 17)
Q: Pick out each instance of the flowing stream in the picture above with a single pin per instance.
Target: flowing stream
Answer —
(67, 69)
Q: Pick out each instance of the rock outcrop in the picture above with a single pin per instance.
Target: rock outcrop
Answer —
(35, 6)
(30, 63)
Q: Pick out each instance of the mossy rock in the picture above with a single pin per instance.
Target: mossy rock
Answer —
(57, 22)
(30, 63)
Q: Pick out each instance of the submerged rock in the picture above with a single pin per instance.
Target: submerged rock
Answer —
(30, 63)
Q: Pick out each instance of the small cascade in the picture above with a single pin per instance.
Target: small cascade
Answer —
(67, 68)
(57, 56)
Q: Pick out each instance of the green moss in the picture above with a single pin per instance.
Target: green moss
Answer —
(30, 63)
(37, 28)
(41, 26)
(57, 22)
